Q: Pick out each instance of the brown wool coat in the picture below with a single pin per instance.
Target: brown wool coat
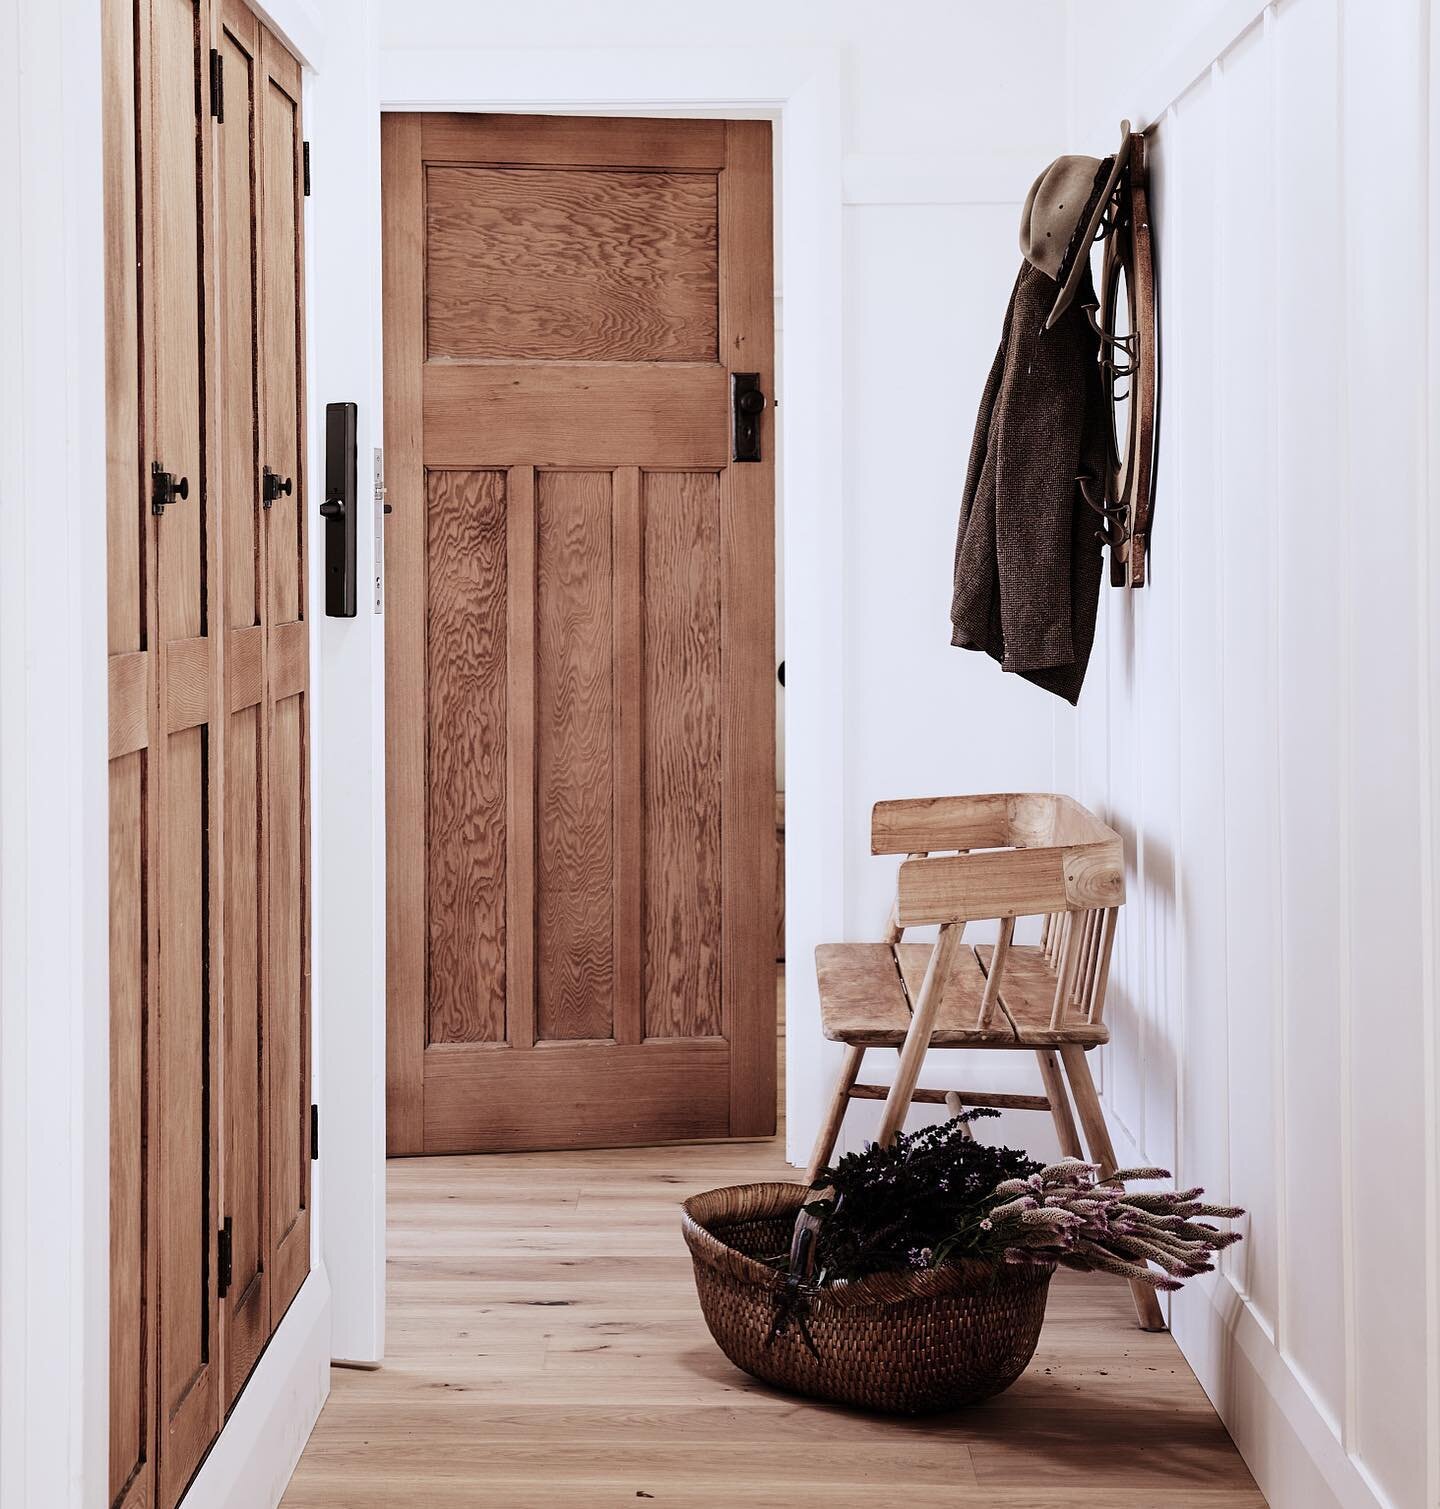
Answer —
(1028, 557)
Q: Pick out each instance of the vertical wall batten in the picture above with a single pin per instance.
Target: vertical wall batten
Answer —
(1296, 227)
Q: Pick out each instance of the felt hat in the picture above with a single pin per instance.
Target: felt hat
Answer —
(1062, 213)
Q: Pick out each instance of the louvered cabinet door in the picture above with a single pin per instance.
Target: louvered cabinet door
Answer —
(244, 1208)
(175, 382)
(287, 658)
(579, 647)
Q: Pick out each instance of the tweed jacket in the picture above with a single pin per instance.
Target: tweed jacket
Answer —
(1028, 556)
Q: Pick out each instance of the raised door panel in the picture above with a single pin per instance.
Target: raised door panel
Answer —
(246, 1314)
(281, 326)
(173, 92)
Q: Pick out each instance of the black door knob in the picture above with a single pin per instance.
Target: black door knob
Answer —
(750, 402)
(274, 486)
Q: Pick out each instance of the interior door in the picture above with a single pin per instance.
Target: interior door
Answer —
(580, 718)
(287, 672)
(174, 113)
(238, 211)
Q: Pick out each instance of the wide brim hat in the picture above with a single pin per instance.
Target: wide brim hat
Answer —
(1062, 215)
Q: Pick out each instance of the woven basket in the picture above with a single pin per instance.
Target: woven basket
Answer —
(904, 1343)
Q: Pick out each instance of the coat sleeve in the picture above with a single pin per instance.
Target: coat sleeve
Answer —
(1040, 418)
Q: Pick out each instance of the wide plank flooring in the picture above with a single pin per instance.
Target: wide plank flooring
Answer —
(546, 1348)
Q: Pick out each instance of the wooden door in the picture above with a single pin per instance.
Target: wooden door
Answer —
(208, 676)
(238, 224)
(580, 720)
(287, 674)
(176, 437)
(266, 1093)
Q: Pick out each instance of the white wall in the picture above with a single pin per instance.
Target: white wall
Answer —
(1264, 729)
(54, 995)
(940, 143)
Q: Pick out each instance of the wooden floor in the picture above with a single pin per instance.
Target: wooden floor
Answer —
(546, 1348)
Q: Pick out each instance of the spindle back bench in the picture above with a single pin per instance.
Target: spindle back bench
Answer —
(974, 858)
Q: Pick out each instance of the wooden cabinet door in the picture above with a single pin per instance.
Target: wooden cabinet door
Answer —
(265, 1200)
(131, 631)
(580, 719)
(175, 384)
(246, 1310)
(209, 705)
(287, 673)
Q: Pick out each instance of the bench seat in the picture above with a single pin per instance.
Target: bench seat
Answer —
(866, 991)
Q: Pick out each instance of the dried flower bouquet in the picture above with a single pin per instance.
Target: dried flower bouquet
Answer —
(935, 1196)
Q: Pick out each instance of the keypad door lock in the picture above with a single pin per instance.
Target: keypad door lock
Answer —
(165, 489)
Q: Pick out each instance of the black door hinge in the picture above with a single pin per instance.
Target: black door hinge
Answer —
(226, 1257)
(314, 1131)
(305, 165)
(217, 85)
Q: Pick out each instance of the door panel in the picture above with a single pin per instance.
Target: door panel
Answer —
(581, 632)
(174, 167)
(684, 896)
(575, 776)
(246, 1315)
(466, 814)
(281, 263)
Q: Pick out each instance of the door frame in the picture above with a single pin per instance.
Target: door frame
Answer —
(799, 90)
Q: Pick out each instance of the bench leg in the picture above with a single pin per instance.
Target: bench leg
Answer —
(835, 1112)
(1059, 1099)
(1102, 1151)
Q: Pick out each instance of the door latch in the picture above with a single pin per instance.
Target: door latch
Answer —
(225, 1257)
(274, 486)
(165, 488)
(747, 403)
(340, 509)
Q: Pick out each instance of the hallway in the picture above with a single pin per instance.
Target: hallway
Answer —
(546, 1347)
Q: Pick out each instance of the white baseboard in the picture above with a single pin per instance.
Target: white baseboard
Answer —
(250, 1465)
(1287, 1440)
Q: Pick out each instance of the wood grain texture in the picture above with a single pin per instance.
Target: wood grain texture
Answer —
(179, 428)
(575, 774)
(402, 270)
(567, 264)
(747, 593)
(520, 765)
(629, 714)
(544, 1348)
(466, 773)
(684, 899)
(187, 686)
(861, 1000)
(287, 1014)
(130, 697)
(247, 1309)
(574, 141)
(281, 327)
(618, 1095)
(575, 415)
(126, 517)
(581, 402)
(184, 1211)
(237, 206)
(131, 1343)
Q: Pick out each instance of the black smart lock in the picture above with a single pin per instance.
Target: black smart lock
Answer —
(339, 510)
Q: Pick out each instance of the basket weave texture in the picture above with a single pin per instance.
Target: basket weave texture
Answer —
(903, 1343)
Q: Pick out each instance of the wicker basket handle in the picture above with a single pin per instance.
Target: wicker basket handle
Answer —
(803, 1242)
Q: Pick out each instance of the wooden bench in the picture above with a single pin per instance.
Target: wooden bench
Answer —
(973, 858)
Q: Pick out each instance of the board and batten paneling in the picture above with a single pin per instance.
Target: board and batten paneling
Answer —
(1260, 724)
